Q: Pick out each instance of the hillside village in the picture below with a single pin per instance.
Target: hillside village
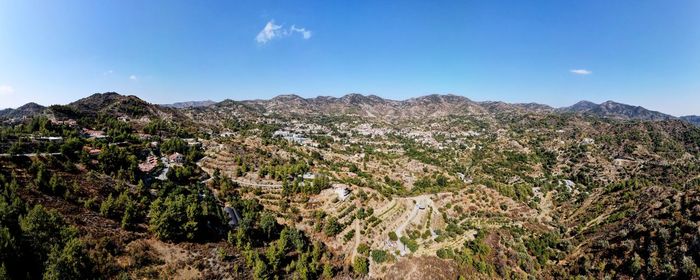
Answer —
(354, 187)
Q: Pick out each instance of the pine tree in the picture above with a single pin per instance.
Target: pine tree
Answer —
(260, 270)
(128, 217)
(106, 206)
(71, 262)
(327, 271)
(360, 266)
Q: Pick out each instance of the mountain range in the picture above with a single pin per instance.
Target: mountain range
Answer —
(428, 106)
(189, 104)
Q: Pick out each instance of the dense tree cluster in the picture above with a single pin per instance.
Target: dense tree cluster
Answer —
(286, 250)
(163, 128)
(36, 242)
(183, 214)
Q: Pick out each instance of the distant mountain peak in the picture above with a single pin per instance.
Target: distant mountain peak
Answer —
(582, 105)
(30, 105)
(190, 104)
(288, 96)
(692, 119)
(119, 105)
(440, 98)
(356, 99)
(102, 98)
(109, 93)
(612, 109)
(25, 110)
(610, 103)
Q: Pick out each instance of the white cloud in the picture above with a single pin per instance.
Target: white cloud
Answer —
(6, 89)
(108, 72)
(304, 33)
(269, 32)
(133, 78)
(272, 31)
(581, 71)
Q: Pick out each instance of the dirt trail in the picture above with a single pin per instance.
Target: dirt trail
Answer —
(546, 206)
(356, 241)
(584, 206)
(402, 227)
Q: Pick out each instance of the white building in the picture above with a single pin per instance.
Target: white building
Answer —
(342, 191)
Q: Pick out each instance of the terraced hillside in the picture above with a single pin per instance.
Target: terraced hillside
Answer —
(349, 188)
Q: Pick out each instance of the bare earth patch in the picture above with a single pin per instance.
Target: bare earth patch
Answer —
(422, 268)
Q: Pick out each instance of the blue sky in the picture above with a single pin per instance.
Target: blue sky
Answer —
(638, 52)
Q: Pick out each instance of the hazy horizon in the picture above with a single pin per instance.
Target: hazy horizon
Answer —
(642, 53)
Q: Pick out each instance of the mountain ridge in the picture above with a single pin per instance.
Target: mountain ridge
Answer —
(432, 105)
(25, 110)
(189, 104)
(694, 119)
(612, 109)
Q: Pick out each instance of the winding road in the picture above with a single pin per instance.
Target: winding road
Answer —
(403, 226)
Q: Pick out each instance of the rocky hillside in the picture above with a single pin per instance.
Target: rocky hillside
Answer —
(371, 106)
(435, 106)
(117, 105)
(419, 108)
(25, 110)
(611, 109)
(108, 104)
(692, 119)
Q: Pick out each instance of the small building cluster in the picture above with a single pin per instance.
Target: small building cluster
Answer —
(68, 122)
(176, 158)
(148, 165)
(92, 151)
(96, 134)
(293, 137)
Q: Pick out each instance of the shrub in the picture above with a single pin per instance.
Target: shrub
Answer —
(349, 235)
(332, 227)
(379, 256)
(410, 243)
(363, 248)
(393, 236)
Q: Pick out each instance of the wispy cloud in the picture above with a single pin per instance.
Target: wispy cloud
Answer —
(272, 31)
(306, 34)
(133, 78)
(108, 72)
(581, 71)
(6, 89)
